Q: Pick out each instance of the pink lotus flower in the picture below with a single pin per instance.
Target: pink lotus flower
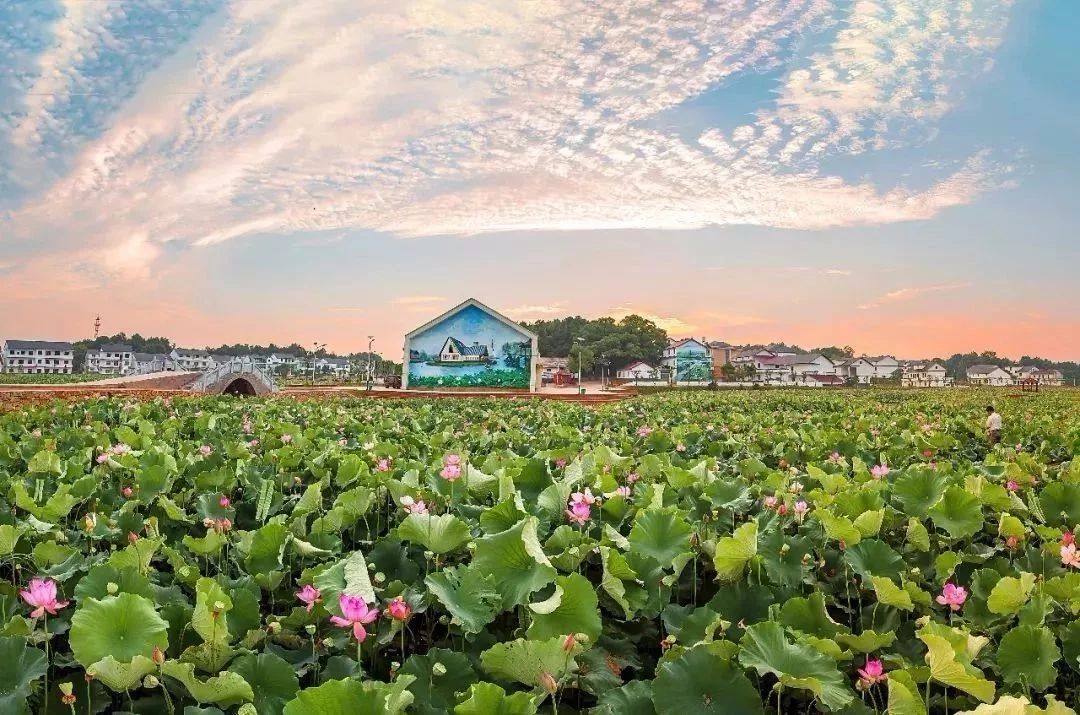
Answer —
(224, 501)
(680, 447)
(623, 491)
(1070, 556)
(42, 596)
(452, 459)
(127, 492)
(801, 508)
(286, 438)
(398, 609)
(383, 465)
(253, 443)
(782, 509)
(879, 471)
(632, 477)
(769, 502)
(413, 506)
(120, 448)
(309, 595)
(585, 496)
(342, 442)
(1068, 539)
(354, 613)
(871, 673)
(1019, 447)
(1012, 486)
(560, 463)
(952, 596)
(102, 458)
(579, 512)
(450, 472)
(835, 457)
(928, 453)
(206, 450)
(644, 431)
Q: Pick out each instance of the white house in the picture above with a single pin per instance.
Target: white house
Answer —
(453, 350)
(152, 362)
(187, 359)
(638, 371)
(885, 366)
(860, 370)
(283, 361)
(111, 359)
(37, 356)
(989, 375)
(340, 367)
(812, 364)
(924, 374)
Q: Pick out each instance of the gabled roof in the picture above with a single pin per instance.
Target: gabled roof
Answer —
(476, 304)
(634, 364)
(37, 345)
(984, 369)
(191, 352)
(810, 358)
(683, 341)
(720, 344)
(114, 348)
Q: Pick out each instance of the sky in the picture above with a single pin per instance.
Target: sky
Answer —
(895, 175)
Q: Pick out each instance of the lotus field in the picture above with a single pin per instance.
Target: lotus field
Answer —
(790, 552)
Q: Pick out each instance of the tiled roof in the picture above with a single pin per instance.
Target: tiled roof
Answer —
(37, 345)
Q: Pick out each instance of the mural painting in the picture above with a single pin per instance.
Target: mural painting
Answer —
(693, 363)
(469, 347)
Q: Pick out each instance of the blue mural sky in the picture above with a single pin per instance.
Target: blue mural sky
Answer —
(899, 176)
(469, 325)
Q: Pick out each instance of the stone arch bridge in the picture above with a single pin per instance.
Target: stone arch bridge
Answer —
(239, 376)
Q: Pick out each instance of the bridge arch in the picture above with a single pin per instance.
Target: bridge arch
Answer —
(240, 377)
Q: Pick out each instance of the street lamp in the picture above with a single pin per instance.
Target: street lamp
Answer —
(371, 361)
(318, 346)
(580, 374)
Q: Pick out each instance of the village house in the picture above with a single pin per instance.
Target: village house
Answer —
(885, 366)
(454, 350)
(1049, 377)
(859, 370)
(282, 362)
(111, 359)
(555, 371)
(188, 359)
(989, 375)
(152, 362)
(638, 371)
(722, 354)
(923, 374)
(37, 356)
(339, 367)
(688, 360)
(812, 365)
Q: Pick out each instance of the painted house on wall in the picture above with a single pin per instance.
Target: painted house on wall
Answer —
(687, 360)
(470, 346)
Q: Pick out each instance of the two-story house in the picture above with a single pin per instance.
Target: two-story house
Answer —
(687, 360)
(989, 375)
(44, 357)
(111, 359)
(924, 374)
(189, 359)
(812, 365)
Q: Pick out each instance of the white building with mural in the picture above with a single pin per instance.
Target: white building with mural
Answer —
(470, 346)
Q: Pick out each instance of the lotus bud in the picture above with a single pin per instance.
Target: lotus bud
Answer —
(379, 577)
(371, 567)
(112, 588)
(328, 642)
(65, 688)
(158, 656)
(548, 683)
(429, 555)
(310, 628)
(785, 549)
(471, 546)
(569, 643)
(151, 681)
(438, 669)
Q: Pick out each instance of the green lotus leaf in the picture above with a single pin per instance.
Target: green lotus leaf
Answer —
(917, 535)
(490, 699)
(866, 642)
(734, 552)
(95, 584)
(9, 537)
(765, 648)
(440, 533)
(634, 698)
(1026, 656)
(351, 697)
(660, 534)
(576, 612)
(122, 626)
(525, 661)
(211, 616)
(959, 513)
(838, 528)
(516, 561)
(436, 692)
(273, 681)
(468, 595)
(917, 490)
(785, 559)
(618, 579)
(22, 665)
(872, 557)
(869, 522)
(121, 676)
(904, 695)
(1060, 503)
(1010, 594)
(949, 655)
(700, 681)
(228, 688)
(810, 616)
(890, 594)
(1010, 705)
(267, 548)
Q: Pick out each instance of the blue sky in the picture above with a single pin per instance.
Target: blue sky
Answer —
(899, 176)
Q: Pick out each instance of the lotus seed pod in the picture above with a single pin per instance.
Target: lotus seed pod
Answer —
(151, 681)
(112, 588)
(274, 627)
(328, 642)
(429, 555)
(310, 628)
(438, 669)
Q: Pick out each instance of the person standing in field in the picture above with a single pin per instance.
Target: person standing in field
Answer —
(993, 425)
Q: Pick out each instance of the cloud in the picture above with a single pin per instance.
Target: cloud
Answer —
(199, 122)
(670, 323)
(909, 293)
(535, 311)
(418, 299)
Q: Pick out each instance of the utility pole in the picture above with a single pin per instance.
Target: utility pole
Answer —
(97, 326)
(371, 361)
(314, 354)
